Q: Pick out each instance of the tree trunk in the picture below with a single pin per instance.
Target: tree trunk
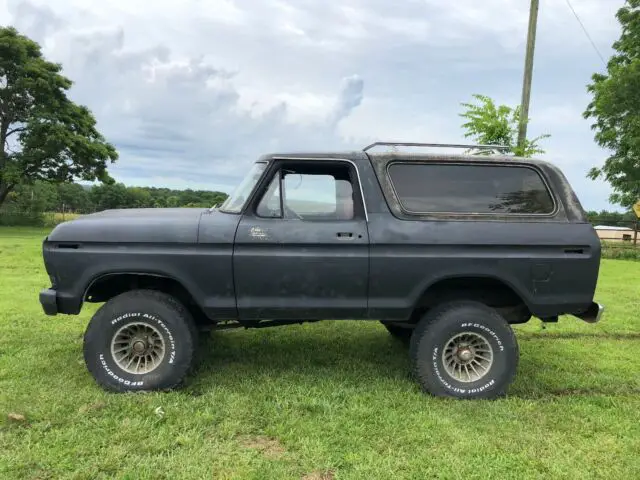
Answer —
(4, 191)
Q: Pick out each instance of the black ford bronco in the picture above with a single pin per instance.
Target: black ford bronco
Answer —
(447, 251)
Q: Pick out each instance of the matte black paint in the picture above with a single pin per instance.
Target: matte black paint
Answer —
(240, 266)
(303, 270)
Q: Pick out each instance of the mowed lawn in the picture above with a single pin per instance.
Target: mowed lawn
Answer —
(330, 400)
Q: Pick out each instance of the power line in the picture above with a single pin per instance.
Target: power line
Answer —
(593, 44)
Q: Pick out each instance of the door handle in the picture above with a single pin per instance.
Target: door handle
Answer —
(344, 235)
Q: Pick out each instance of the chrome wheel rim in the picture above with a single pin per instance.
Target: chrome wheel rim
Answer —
(467, 357)
(138, 348)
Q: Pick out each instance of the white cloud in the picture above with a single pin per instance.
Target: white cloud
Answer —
(175, 117)
(195, 90)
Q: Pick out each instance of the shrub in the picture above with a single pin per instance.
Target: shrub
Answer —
(21, 219)
(621, 251)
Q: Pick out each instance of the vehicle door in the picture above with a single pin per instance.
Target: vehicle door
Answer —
(301, 250)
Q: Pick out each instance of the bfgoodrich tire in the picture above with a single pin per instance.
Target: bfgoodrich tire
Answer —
(464, 349)
(140, 341)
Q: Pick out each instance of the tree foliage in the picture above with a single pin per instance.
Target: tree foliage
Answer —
(71, 197)
(615, 107)
(617, 219)
(491, 124)
(38, 197)
(44, 135)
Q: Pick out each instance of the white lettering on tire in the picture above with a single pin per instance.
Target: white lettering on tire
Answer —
(128, 383)
(147, 316)
(488, 330)
(434, 360)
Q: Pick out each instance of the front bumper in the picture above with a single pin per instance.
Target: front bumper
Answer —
(593, 314)
(49, 301)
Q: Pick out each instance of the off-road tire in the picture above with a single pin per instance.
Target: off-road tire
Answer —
(402, 334)
(439, 327)
(163, 314)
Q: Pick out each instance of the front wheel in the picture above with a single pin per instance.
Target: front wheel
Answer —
(140, 340)
(464, 349)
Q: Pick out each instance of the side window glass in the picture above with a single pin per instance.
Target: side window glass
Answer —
(309, 193)
(470, 189)
(316, 197)
(269, 205)
(345, 207)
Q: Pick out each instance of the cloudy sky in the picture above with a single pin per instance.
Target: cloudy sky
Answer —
(192, 91)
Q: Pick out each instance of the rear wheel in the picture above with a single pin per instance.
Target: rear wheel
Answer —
(140, 340)
(464, 349)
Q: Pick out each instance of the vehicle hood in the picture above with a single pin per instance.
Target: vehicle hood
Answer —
(150, 225)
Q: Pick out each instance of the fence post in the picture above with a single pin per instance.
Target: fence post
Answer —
(635, 233)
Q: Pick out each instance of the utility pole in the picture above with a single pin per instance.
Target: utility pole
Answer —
(528, 72)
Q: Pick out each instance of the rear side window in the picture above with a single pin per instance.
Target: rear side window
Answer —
(470, 189)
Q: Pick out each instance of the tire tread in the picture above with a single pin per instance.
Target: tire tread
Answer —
(109, 308)
(437, 315)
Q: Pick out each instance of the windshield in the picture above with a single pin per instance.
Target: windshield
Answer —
(235, 201)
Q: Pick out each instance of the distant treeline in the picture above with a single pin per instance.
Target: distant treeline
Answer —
(27, 203)
(611, 218)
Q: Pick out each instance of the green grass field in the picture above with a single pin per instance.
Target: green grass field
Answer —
(331, 400)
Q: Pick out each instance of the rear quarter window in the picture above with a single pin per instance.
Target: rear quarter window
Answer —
(424, 188)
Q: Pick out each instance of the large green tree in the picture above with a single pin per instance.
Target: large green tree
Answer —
(110, 196)
(72, 197)
(44, 135)
(491, 124)
(615, 108)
